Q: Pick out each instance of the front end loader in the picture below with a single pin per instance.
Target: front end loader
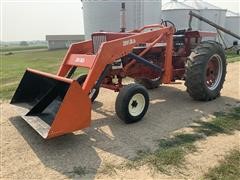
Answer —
(58, 104)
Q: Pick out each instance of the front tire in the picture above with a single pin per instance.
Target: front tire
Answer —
(205, 71)
(132, 103)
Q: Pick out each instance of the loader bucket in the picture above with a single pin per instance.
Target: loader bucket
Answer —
(51, 104)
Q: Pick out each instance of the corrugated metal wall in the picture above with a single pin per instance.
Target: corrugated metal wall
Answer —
(105, 14)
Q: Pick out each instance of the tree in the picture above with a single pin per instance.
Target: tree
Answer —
(23, 43)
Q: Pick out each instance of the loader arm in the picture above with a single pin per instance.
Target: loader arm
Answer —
(84, 47)
(115, 49)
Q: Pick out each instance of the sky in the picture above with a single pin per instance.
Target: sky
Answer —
(33, 19)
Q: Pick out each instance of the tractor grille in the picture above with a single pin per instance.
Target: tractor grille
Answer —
(98, 39)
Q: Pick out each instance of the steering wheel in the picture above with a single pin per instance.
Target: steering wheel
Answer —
(168, 23)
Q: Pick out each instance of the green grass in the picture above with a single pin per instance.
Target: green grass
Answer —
(171, 151)
(223, 123)
(13, 67)
(20, 48)
(232, 57)
(81, 171)
(229, 168)
(108, 169)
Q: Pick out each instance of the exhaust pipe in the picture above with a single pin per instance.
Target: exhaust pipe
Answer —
(123, 18)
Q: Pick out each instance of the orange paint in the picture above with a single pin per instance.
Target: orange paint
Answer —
(75, 110)
(81, 60)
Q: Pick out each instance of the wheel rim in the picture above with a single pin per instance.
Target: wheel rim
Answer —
(136, 104)
(156, 79)
(214, 72)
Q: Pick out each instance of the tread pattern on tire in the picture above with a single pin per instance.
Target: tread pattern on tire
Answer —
(195, 71)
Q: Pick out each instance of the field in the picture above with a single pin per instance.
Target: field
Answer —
(13, 66)
(22, 48)
(178, 138)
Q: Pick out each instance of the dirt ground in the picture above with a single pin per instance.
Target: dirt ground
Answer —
(208, 155)
(25, 155)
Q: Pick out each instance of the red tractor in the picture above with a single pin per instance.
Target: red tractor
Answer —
(57, 104)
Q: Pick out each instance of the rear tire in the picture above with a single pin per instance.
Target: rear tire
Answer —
(132, 103)
(149, 83)
(205, 71)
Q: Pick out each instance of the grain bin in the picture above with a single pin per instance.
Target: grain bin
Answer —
(104, 15)
(233, 24)
(178, 13)
(209, 11)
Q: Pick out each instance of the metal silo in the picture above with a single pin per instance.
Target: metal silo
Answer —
(104, 15)
(232, 23)
(211, 12)
(178, 13)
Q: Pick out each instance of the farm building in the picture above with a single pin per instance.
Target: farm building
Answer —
(178, 13)
(213, 13)
(233, 24)
(104, 15)
(62, 41)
